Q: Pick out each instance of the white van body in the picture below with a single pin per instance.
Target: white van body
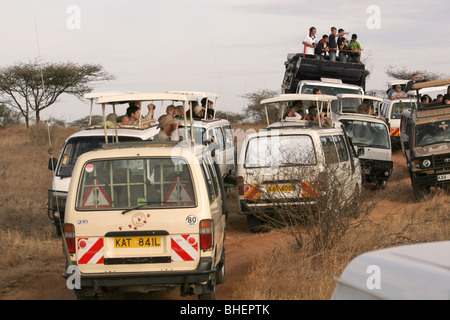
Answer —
(289, 161)
(332, 87)
(146, 217)
(370, 135)
(391, 110)
(220, 132)
(410, 272)
(266, 160)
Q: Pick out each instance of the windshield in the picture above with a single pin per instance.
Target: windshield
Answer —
(399, 107)
(432, 133)
(332, 91)
(367, 133)
(75, 147)
(275, 151)
(131, 183)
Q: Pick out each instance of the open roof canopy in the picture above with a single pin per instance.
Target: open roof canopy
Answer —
(299, 97)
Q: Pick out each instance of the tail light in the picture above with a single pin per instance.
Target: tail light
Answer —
(241, 186)
(206, 234)
(69, 234)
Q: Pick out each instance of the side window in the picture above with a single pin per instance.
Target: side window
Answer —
(341, 148)
(208, 180)
(403, 124)
(383, 109)
(329, 150)
(213, 174)
(229, 137)
(218, 135)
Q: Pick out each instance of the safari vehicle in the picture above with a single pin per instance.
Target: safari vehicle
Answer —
(370, 135)
(83, 141)
(410, 272)
(146, 216)
(95, 136)
(391, 110)
(300, 71)
(213, 129)
(425, 140)
(295, 163)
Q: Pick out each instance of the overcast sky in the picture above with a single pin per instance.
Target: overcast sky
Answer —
(231, 47)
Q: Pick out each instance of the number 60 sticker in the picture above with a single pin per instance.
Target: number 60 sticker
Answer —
(191, 221)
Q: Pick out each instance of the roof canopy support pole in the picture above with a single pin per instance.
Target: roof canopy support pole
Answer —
(115, 123)
(104, 123)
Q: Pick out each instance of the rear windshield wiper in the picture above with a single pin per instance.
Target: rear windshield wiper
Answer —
(143, 204)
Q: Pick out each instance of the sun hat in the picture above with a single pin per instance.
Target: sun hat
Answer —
(165, 120)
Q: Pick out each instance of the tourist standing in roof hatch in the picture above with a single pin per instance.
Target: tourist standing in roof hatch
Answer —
(310, 43)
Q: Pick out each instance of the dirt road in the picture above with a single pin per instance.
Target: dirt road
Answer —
(242, 247)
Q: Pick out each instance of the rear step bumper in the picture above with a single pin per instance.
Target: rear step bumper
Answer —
(201, 274)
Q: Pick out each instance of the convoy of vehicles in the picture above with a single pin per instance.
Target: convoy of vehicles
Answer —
(370, 135)
(138, 215)
(425, 140)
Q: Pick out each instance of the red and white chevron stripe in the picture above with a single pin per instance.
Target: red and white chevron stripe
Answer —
(184, 248)
(90, 251)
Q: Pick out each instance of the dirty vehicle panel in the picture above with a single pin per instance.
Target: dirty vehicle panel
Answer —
(146, 219)
(425, 141)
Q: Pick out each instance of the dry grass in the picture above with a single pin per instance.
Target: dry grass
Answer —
(27, 241)
(28, 245)
(295, 274)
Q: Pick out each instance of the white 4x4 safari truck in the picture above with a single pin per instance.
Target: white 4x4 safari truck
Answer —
(370, 135)
(425, 140)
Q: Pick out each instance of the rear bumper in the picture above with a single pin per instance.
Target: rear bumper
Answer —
(267, 206)
(202, 274)
(376, 169)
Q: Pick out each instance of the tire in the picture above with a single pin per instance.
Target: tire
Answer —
(209, 295)
(221, 273)
(356, 203)
(381, 184)
(420, 191)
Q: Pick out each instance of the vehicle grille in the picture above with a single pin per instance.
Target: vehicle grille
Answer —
(442, 161)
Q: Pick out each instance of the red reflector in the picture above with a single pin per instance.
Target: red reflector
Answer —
(206, 232)
(241, 186)
(69, 234)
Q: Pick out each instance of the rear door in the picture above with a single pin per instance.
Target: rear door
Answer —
(280, 168)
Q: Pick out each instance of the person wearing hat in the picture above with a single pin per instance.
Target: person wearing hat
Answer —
(199, 112)
(167, 125)
(398, 93)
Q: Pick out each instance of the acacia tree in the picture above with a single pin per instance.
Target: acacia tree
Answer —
(36, 85)
(254, 110)
(403, 73)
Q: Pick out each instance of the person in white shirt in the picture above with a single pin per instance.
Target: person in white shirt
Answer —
(291, 114)
(310, 43)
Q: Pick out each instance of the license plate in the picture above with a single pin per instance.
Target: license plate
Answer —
(281, 188)
(137, 242)
(443, 177)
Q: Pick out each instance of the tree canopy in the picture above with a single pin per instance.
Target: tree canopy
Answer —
(36, 85)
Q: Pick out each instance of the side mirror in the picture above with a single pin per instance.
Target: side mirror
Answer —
(230, 179)
(360, 151)
(52, 162)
